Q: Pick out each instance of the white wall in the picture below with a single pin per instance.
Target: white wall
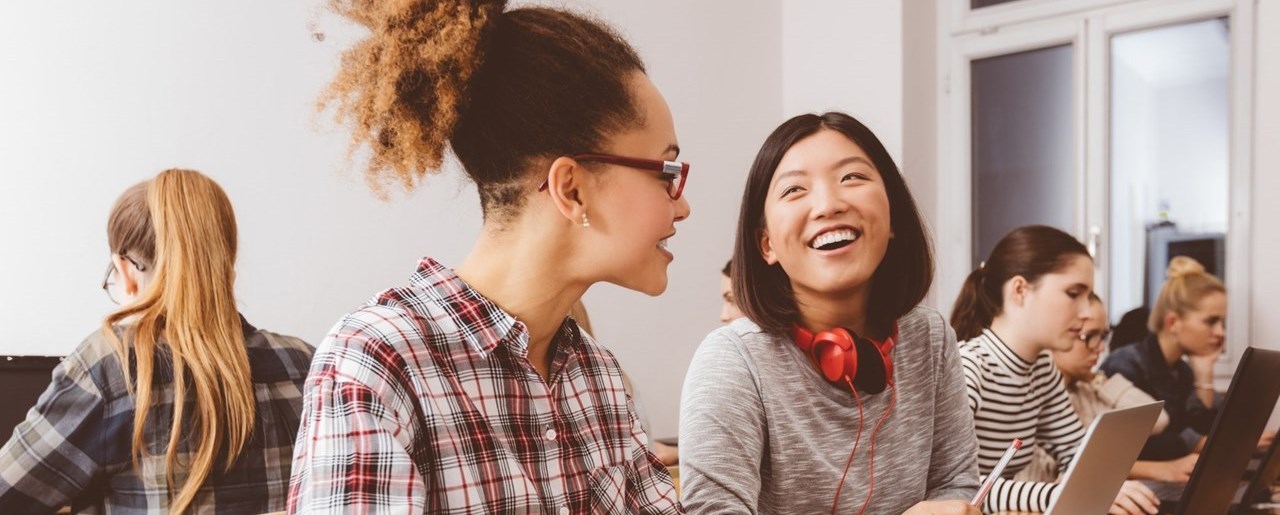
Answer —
(97, 96)
(846, 55)
(1265, 292)
(920, 87)
(722, 76)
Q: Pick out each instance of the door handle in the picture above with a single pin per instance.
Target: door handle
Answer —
(1095, 241)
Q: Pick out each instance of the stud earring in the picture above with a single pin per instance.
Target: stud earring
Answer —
(585, 222)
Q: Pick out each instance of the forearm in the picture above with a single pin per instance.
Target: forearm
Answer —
(1206, 394)
(1146, 470)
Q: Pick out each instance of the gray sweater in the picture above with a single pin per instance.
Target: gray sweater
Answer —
(762, 432)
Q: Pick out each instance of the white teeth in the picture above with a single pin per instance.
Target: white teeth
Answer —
(662, 244)
(833, 237)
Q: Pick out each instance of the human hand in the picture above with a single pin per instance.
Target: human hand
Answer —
(1202, 365)
(1265, 441)
(943, 508)
(1179, 470)
(1135, 499)
(667, 454)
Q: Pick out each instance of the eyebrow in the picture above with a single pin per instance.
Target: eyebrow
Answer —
(838, 164)
(853, 159)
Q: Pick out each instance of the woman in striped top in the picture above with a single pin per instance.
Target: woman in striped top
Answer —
(1030, 296)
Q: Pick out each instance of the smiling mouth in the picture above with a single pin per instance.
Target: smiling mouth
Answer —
(837, 239)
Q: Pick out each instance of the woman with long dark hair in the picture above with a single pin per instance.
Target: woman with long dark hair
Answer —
(837, 392)
(1030, 296)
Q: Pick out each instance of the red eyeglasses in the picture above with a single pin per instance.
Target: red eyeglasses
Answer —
(674, 171)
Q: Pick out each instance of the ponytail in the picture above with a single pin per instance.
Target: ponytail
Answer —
(187, 320)
(975, 308)
(1029, 252)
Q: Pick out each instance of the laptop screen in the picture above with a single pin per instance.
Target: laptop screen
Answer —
(1242, 416)
(22, 379)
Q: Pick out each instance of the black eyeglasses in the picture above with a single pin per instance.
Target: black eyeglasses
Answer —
(107, 283)
(1095, 340)
(675, 171)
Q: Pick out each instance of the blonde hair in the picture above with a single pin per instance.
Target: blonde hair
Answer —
(1185, 285)
(186, 318)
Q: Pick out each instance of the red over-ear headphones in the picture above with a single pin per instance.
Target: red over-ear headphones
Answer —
(843, 357)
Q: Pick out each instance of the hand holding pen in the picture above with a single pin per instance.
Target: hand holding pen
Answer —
(995, 472)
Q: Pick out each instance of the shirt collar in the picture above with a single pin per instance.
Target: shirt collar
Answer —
(1155, 357)
(478, 321)
(481, 323)
(1005, 355)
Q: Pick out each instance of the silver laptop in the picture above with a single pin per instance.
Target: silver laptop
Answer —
(1109, 449)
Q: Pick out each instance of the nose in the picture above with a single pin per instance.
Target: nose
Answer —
(826, 202)
(682, 208)
(1085, 311)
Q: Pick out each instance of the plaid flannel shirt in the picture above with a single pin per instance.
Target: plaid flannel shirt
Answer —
(424, 401)
(74, 448)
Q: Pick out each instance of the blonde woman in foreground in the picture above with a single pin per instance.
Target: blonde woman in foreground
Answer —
(177, 403)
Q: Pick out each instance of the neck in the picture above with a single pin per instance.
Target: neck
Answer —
(822, 312)
(1170, 348)
(1017, 340)
(1067, 380)
(527, 277)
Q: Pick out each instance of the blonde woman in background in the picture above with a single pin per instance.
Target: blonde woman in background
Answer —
(177, 403)
(1188, 321)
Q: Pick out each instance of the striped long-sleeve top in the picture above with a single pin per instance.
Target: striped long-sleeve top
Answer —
(1015, 398)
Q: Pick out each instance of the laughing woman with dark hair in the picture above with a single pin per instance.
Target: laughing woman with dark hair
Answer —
(835, 369)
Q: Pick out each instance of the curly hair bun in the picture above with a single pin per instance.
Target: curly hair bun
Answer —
(402, 87)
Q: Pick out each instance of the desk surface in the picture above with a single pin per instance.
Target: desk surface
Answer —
(1270, 511)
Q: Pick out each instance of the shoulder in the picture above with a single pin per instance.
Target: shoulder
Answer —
(96, 350)
(975, 350)
(977, 361)
(1125, 360)
(740, 345)
(368, 344)
(95, 364)
(924, 320)
(596, 356)
(278, 357)
(924, 327)
(742, 337)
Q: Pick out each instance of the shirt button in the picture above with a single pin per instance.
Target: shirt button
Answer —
(551, 435)
(564, 510)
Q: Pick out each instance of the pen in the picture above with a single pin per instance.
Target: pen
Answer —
(995, 472)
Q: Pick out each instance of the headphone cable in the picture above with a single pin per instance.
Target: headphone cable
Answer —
(836, 503)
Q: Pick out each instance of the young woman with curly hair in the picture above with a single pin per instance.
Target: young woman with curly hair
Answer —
(469, 390)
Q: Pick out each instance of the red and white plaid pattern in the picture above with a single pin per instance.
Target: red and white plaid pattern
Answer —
(424, 401)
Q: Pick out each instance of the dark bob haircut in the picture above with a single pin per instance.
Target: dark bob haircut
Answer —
(899, 283)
